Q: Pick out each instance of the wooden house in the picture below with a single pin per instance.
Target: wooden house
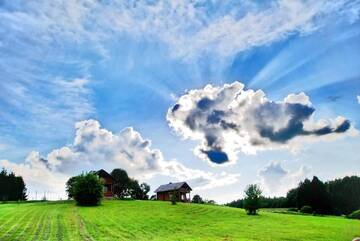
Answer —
(107, 181)
(181, 189)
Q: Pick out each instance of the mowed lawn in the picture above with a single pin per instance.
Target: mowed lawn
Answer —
(153, 220)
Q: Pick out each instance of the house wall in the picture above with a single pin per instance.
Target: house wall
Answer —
(108, 186)
(165, 196)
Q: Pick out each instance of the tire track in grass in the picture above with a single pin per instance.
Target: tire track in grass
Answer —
(74, 229)
(82, 229)
(59, 228)
(62, 227)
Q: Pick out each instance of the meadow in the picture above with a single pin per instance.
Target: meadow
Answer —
(155, 220)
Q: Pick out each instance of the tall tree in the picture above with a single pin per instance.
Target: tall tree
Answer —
(12, 187)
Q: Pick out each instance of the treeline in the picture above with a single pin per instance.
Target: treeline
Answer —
(265, 202)
(12, 188)
(338, 197)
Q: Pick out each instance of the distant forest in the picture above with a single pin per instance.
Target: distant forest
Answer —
(337, 197)
(12, 188)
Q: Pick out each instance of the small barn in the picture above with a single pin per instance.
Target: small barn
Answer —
(107, 181)
(165, 192)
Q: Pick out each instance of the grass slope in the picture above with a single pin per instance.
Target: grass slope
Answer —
(149, 220)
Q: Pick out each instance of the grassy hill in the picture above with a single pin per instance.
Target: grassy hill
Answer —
(150, 220)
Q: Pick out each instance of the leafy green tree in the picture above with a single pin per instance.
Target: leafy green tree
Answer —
(121, 182)
(70, 187)
(124, 186)
(86, 189)
(135, 191)
(197, 199)
(252, 199)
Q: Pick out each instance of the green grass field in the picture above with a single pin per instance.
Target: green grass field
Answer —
(151, 220)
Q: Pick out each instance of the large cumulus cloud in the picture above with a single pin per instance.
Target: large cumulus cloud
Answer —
(231, 118)
(95, 147)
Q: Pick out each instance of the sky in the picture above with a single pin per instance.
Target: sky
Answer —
(218, 94)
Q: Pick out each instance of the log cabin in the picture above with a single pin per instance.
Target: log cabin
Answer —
(107, 181)
(165, 192)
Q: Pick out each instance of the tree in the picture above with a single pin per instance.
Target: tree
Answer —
(291, 198)
(252, 199)
(135, 191)
(174, 197)
(86, 189)
(12, 187)
(344, 194)
(70, 187)
(145, 188)
(124, 186)
(314, 194)
(197, 199)
(121, 182)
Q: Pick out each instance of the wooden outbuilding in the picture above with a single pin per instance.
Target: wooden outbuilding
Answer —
(181, 189)
(107, 181)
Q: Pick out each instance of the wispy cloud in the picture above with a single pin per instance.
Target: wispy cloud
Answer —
(189, 28)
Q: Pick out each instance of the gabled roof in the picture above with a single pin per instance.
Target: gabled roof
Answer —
(172, 187)
(103, 173)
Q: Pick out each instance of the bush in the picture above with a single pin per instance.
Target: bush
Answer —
(197, 199)
(306, 209)
(86, 189)
(293, 210)
(354, 215)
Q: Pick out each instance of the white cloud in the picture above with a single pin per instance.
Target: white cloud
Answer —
(276, 180)
(358, 98)
(95, 147)
(229, 119)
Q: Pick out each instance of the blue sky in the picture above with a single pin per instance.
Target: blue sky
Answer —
(112, 65)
